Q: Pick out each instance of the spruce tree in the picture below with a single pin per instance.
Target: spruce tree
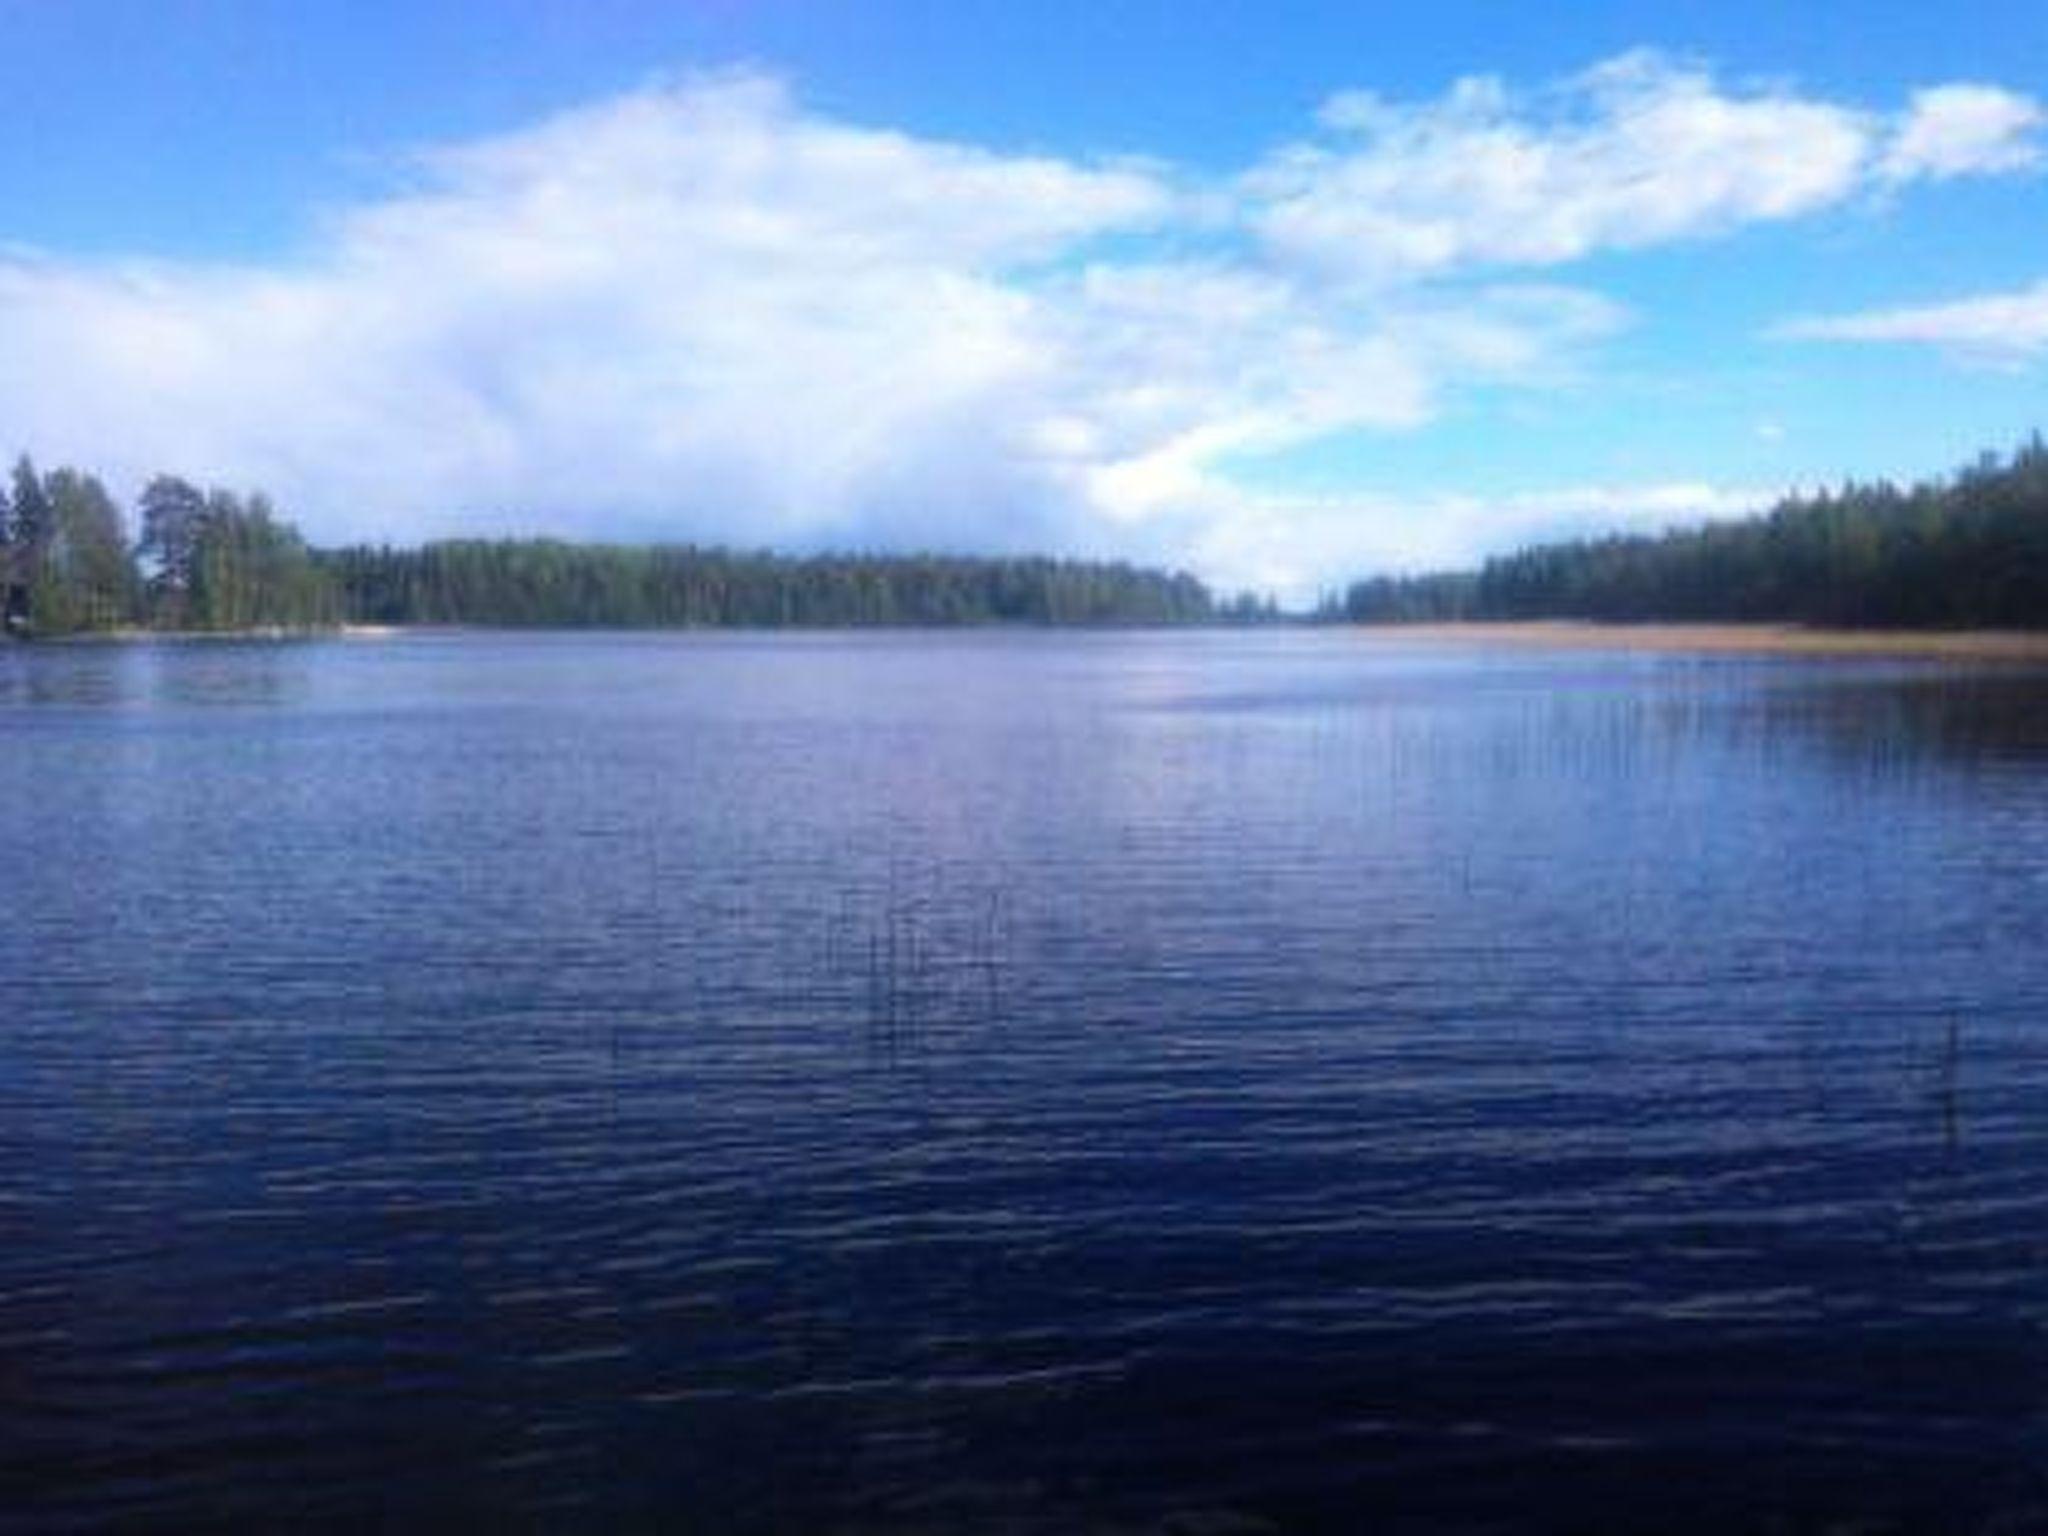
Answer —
(173, 512)
(29, 523)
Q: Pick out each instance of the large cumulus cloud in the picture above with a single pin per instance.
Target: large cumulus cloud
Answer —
(701, 310)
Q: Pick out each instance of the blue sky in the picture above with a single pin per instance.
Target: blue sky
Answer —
(1280, 291)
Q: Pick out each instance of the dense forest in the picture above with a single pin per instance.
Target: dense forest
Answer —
(1967, 552)
(542, 582)
(215, 561)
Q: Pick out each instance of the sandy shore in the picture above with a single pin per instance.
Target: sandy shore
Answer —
(1737, 639)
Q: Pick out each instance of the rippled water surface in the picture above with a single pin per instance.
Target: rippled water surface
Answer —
(1131, 1083)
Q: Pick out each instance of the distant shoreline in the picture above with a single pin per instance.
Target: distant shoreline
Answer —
(1732, 639)
(2023, 646)
(136, 634)
(133, 634)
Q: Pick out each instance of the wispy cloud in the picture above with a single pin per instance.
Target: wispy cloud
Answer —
(1998, 329)
(701, 310)
(1642, 150)
(1964, 130)
(1637, 152)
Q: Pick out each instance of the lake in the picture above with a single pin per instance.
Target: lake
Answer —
(1127, 1082)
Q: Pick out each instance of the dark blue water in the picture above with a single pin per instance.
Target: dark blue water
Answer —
(1197, 1083)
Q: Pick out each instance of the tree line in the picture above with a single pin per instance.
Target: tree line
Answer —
(217, 561)
(516, 583)
(1969, 551)
(204, 560)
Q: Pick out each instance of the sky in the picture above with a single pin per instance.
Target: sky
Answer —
(1280, 292)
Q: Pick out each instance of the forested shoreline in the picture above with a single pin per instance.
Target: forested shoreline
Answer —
(200, 560)
(1966, 552)
(546, 583)
(217, 562)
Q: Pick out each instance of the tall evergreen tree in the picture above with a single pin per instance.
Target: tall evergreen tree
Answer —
(173, 512)
(13, 609)
(29, 525)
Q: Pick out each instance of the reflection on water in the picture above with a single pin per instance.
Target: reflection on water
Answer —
(1971, 716)
(1020, 1082)
(153, 674)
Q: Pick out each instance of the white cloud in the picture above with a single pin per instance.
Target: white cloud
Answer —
(699, 311)
(1302, 545)
(1964, 130)
(702, 311)
(1640, 151)
(1997, 328)
(1184, 368)
(696, 302)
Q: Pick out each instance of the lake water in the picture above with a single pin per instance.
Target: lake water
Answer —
(1200, 1083)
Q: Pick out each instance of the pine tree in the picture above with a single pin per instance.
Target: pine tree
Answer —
(173, 511)
(29, 525)
(11, 611)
